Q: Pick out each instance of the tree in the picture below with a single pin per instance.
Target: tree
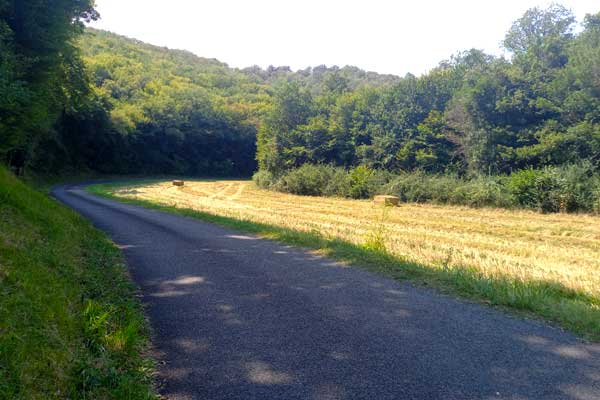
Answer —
(36, 39)
(539, 38)
(280, 145)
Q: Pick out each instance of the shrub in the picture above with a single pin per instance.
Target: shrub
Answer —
(553, 189)
(410, 187)
(263, 179)
(441, 187)
(579, 186)
(596, 195)
(522, 188)
(449, 189)
(308, 179)
(364, 182)
(543, 189)
(480, 192)
(550, 189)
(326, 180)
(339, 184)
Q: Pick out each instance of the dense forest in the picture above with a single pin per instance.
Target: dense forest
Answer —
(472, 114)
(74, 98)
(171, 111)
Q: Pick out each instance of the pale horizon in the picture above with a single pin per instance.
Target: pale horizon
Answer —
(376, 36)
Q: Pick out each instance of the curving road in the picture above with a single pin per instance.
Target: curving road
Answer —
(237, 317)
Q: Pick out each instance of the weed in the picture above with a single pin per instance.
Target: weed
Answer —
(375, 239)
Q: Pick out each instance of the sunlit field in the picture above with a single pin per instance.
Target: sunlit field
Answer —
(526, 245)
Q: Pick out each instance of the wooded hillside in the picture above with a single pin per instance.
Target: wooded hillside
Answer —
(473, 114)
(102, 102)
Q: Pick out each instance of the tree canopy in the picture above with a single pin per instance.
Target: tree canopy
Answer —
(474, 113)
(81, 98)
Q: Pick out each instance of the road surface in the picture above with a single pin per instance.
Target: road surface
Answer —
(237, 317)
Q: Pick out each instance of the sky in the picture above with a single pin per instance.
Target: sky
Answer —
(393, 36)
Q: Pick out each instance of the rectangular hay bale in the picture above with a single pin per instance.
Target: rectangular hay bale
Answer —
(387, 200)
(178, 183)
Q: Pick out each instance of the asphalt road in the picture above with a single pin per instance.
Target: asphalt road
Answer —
(237, 317)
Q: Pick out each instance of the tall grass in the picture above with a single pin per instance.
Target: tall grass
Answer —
(70, 326)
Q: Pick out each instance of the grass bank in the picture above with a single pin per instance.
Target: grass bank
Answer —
(70, 324)
(544, 265)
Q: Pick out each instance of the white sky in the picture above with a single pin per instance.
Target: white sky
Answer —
(377, 35)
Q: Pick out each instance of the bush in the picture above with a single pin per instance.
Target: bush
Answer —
(441, 187)
(522, 188)
(419, 187)
(552, 189)
(364, 182)
(410, 187)
(339, 184)
(567, 188)
(264, 179)
(326, 180)
(481, 191)
(596, 195)
(308, 179)
(579, 187)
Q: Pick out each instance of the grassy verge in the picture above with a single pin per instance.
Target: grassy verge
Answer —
(573, 309)
(70, 325)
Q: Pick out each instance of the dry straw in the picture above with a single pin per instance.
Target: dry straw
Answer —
(554, 247)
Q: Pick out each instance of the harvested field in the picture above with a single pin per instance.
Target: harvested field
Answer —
(559, 248)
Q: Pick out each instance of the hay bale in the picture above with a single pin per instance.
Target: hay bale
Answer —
(387, 200)
(178, 183)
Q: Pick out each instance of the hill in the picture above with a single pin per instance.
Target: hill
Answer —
(157, 110)
(98, 101)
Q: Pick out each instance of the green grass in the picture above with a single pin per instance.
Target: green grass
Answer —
(567, 307)
(70, 324)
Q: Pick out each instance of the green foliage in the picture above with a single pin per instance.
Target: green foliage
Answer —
(339, 183)
(112, 104)
(264, 179)
(36, 64)
(540, 37)
(482, 191)
(568, 188)
(326, 180)
(474, 114)
(420, 187)
(360, 179)
(71, 326)
(155, 110)
(321, 79)
(169, 111)
(552, 189)
(375, 238)
(364, 182)
(522, 186)
(461, 125)
(309, 179)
